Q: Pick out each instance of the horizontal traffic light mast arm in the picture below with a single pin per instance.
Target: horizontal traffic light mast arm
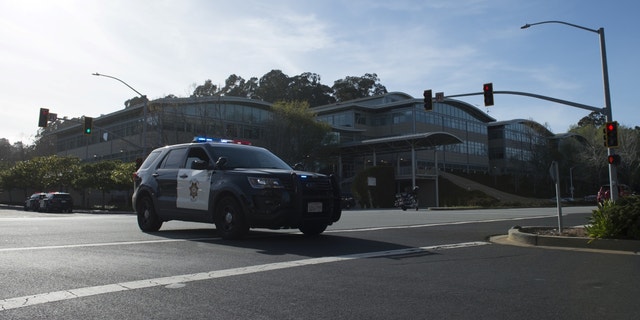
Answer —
(533, 95)
(81, 122)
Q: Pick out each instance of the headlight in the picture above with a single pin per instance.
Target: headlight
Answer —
(265, 183)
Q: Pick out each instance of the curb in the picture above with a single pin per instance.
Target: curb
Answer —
(516, 235)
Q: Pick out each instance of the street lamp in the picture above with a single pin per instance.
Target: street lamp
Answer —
(144, 110)
(607, 95)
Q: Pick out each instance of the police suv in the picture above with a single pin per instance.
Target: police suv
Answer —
(233, 185)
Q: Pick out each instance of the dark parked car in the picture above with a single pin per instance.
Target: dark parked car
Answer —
(33, 202)
(348, 201)
(57, 202)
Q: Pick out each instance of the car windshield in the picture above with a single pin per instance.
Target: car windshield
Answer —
(248, 157)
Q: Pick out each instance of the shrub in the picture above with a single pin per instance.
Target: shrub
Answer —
(616, 220)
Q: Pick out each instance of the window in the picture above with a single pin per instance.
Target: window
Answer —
(173, 159)
(150, 159)
(196, 154)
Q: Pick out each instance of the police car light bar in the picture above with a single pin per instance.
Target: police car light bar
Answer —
(233, 141)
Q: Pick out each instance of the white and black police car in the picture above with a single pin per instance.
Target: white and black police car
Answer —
(233, 185)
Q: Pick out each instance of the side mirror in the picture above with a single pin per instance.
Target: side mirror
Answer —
(199, 165)
(298, 166)
(221, 162)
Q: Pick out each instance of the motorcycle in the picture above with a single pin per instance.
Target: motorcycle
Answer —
(406, 200)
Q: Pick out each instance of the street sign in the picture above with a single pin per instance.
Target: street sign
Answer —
(553, 171)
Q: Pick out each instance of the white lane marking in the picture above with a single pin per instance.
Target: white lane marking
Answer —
(104, 244)
(434, 224)
(26, 301)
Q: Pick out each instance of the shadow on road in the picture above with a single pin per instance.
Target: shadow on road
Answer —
(285, 243)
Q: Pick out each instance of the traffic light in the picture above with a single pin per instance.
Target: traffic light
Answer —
(611, 134)
(613, 159)
(44, 117)
(428, 100)
(487, 89)
(88, 125)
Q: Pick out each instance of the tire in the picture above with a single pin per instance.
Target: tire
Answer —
(313, 229)
(148, 219)
(229, 219)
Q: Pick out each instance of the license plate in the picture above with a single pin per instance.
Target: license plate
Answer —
(314, 207)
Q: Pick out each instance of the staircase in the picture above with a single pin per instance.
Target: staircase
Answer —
(499, 195)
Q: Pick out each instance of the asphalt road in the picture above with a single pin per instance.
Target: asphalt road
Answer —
(378, 264)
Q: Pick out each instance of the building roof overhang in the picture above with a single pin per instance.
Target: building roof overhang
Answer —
(418, 141)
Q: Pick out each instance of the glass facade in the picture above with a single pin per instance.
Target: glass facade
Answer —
(485, 144)
(513, 144)
(126, 135)
(398, 114)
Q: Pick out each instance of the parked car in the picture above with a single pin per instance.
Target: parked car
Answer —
(57, 201)
(348, 201)
(605, 193)
(33, 201)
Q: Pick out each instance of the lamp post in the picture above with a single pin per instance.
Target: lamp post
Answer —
(607, 95)
(144, 110)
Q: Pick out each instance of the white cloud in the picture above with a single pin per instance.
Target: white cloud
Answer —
(48, 50)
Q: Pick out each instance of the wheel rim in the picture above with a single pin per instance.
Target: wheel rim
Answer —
(228, 217)
(146, 213)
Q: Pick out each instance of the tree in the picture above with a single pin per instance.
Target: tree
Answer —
(295, 133)
(351, 88)
(595, 119)
(307, 87)
(591, 157)
(236, 86)
(273, 86)
(208, 89)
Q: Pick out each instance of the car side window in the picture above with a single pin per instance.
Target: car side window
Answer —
(150, 159)
(173, 159)
(196, 154)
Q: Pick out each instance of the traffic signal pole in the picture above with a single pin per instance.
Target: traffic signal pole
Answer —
(613, 173)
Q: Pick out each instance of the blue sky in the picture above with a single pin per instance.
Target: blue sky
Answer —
(49, 49)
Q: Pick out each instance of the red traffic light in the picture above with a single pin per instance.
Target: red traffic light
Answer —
(44, 117)
(428, 100)
(487, 90)
(613, 159)
(611, 134)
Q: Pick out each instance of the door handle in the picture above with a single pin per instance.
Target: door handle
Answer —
(184, 176)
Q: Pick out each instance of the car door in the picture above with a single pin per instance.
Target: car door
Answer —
(166, 176)
(194, 184)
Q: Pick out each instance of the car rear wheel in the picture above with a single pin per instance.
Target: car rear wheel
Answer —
(148, 219)
(229, 219)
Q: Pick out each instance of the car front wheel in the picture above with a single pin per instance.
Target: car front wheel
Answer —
(229, 219)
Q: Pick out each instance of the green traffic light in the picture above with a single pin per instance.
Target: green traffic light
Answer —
(88, 124)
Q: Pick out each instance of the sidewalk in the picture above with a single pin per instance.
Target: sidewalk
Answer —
(517, 237)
